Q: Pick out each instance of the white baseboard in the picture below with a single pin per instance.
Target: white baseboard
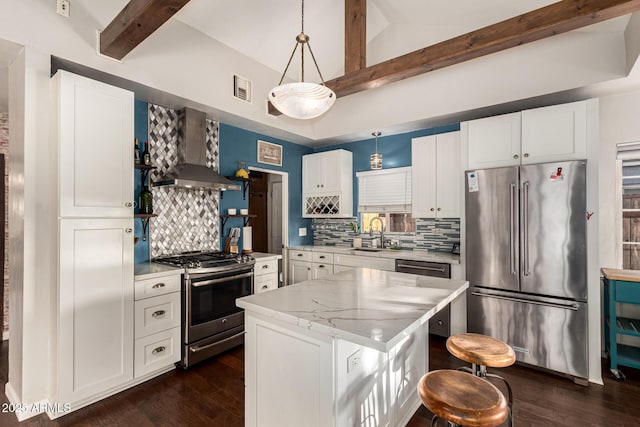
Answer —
(23, 411)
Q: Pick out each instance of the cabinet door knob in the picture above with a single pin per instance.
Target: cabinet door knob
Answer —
(318, 185)
(128, 230)
(526, 154)
(128, 204)
(322, 185)
(158, 350)
(439, 209)
(515, 156)
(431, 209)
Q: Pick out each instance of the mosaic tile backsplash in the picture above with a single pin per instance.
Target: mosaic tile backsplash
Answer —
(436, 235)
(188, 219)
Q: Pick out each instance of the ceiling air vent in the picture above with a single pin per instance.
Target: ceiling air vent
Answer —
(242, 88)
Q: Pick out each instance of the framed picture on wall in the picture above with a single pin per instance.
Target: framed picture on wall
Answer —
(269, 153)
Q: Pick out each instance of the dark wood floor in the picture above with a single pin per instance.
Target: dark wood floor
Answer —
(212, 394)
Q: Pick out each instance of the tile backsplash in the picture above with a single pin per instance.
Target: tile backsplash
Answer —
(188, 219)
(436, 235)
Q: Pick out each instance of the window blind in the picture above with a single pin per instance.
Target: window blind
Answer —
(387, 190)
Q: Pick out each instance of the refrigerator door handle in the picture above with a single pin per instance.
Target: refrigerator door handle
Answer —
(573, 306)
(512, 236)
(525, 228)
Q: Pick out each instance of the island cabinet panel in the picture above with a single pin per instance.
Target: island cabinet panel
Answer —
(294, 369)
(327, 381)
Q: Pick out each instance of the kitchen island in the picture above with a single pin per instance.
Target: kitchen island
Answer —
(342, 350)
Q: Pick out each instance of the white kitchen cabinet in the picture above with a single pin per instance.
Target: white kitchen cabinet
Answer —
(94, 316)
(92, 187)
(265, 274)
(157, 319)
(327, 184)
(94, 129)
(436, 176)
(493, 141)
(299, 271)
(321, 269)
(547, 134)
(555, 133)
(378, 263)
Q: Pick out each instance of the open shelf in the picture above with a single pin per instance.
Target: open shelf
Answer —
(245, 185)
(145, 222)
(246, 218)
(144, 171)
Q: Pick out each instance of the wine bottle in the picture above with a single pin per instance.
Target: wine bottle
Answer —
(136, 153)
(146, 201)
(146, 156)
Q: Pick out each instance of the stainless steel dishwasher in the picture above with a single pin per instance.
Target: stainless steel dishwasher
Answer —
(438, 324)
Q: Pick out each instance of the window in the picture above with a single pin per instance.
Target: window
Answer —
(400, 222)
(629, 160)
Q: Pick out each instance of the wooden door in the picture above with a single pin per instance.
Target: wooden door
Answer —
(258, 192)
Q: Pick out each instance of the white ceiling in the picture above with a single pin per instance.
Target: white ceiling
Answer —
(212, 39)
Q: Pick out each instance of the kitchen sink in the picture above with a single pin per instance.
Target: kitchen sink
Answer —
(369, 249)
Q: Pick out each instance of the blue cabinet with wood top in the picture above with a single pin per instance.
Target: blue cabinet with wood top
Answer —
(621, 286)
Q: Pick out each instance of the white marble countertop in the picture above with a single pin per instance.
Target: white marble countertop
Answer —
(262, 256)
(373, 308)
(152, 270)
(415, 254)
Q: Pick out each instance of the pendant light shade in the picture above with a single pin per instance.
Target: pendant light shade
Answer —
(376, 158)
(302, 100)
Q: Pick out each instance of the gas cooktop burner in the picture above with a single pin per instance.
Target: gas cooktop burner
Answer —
(194, 260)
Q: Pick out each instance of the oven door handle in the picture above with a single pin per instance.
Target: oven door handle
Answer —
(220, 280)
(204, 347)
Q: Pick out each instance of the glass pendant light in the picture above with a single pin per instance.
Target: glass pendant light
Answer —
(302, 100)
(376, 158)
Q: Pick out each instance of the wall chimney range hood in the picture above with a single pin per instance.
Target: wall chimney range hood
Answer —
(191, 172)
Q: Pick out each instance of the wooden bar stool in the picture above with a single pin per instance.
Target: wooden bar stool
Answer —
(462, 399)
(483, 351)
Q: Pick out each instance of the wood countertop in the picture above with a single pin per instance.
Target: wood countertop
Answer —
(619, 274)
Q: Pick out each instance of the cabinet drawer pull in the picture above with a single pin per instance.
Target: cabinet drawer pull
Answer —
(158, 313)
(321, 257)
(158, 350)
(300, 254)
(158, 286)
(265, 266)
(265, 287)
(321, 266)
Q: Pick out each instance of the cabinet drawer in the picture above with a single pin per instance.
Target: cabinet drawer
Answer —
(157, 314)
(156, 351)
(300, 255)
(265, 283)
(265, 267)
(157, 286)
(323, 257)
(628, 292)
(365, 261)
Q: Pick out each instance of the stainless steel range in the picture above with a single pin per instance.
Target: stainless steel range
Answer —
(211, 283)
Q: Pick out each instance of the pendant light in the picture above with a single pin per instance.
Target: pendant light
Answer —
(376, 158)
(302, 100)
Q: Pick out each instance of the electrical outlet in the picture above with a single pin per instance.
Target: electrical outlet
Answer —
(354, 361)
(302, 231)
(63, 7)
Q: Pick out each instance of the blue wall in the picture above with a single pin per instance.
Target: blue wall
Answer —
(395, 150)
(140, 131)
(241, 145)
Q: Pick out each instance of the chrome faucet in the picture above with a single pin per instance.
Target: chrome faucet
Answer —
(381, 230)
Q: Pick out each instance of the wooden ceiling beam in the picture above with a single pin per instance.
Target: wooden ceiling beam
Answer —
(557, 18)
(355, 35)
(135, 22)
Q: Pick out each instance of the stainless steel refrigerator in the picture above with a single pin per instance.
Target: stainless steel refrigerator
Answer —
(526, 257)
